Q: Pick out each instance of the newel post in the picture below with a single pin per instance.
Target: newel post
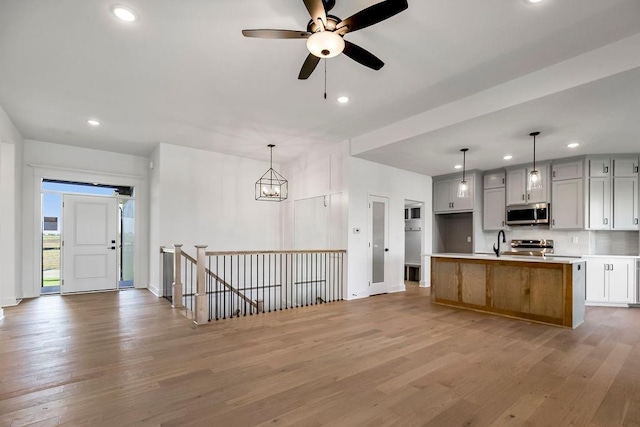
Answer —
(177, 274)
(202, 314)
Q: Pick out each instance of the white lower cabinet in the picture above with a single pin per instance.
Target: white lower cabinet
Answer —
(610, 280)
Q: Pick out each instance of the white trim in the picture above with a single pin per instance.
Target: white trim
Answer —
(154, 290)
(82, 171)
(41, 172)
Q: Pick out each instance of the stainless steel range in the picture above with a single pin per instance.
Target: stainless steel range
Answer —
(530, 247)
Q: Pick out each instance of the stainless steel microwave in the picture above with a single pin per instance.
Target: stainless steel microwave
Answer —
(533, 214)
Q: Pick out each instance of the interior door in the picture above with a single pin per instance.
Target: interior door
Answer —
(378, 243)
(90, 232)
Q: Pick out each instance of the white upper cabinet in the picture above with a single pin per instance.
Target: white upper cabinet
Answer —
(625, 204)
(599, 167)
(567, 206)
(518, 192)
(442, 196)
(494, 180)
(625, 167)
(599, 203)
(613, 193)
(493, 213)
(570, 170)
(445, 195)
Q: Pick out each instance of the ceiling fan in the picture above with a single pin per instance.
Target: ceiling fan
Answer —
(325, 32)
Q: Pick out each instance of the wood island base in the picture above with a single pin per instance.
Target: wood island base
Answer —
(550, 292)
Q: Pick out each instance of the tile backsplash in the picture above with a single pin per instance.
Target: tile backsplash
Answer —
(614, 243)
(578, 242)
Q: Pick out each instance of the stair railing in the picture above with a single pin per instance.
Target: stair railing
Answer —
(221, 285)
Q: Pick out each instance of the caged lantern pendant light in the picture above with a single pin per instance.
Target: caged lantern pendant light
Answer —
(272, 186)
(463, 186)
(535, 180)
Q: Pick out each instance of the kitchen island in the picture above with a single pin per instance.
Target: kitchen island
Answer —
(548, 290)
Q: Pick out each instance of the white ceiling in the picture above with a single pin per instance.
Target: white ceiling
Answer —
(184, 74)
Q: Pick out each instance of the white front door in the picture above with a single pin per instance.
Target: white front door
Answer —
(89, 243)
(378, 244)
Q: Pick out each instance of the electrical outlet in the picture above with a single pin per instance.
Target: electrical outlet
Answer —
(574, 239)
(468, 239)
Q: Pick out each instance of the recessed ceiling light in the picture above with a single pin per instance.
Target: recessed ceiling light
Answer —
(534, 1)
(573, 145)
(508, 157)
(343, 99)
(124, 13)
(93, 122)
(458, 166)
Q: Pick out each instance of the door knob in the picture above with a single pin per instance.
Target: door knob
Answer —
(386, 249)
(113, 247)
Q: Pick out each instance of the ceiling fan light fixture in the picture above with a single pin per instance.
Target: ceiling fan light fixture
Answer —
(325, 44)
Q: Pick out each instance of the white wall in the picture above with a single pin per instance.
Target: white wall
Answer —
(315, 174)
(44, 160)
(350, 181)
(365, 178)
(11, 149)
(203, 197)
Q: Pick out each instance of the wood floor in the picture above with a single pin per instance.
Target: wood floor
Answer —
(128, 358)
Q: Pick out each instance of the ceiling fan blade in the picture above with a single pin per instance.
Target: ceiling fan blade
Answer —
(309, 65)
(316, 10)
(276, 34)
(362, 56)
(372, 15)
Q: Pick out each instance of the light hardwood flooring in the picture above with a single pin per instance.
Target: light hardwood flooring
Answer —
(128, 358)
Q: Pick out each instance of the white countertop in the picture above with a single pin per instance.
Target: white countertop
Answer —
(491, 257)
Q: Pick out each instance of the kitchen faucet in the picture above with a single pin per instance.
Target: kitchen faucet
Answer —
(504, 240)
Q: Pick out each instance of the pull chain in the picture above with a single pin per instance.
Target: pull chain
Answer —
(325, 79)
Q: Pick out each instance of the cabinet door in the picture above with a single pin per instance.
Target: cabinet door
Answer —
(516, 186)
(494, 180)
(564, 171)
(442, 196)
(494, 209)
(567, 208)
(540, 195)
(625, 204)
(599, 167)
(620, 280)
(599, 203)
(625, 167)
(596, 284)
(462, 203)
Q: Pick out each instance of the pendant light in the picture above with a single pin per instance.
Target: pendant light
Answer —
(272, 186)
(463, 186)
(535, 179)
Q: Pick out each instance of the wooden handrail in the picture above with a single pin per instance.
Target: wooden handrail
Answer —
(311, 251)
(164, 249)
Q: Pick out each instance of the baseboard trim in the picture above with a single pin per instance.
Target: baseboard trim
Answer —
(154, 290)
